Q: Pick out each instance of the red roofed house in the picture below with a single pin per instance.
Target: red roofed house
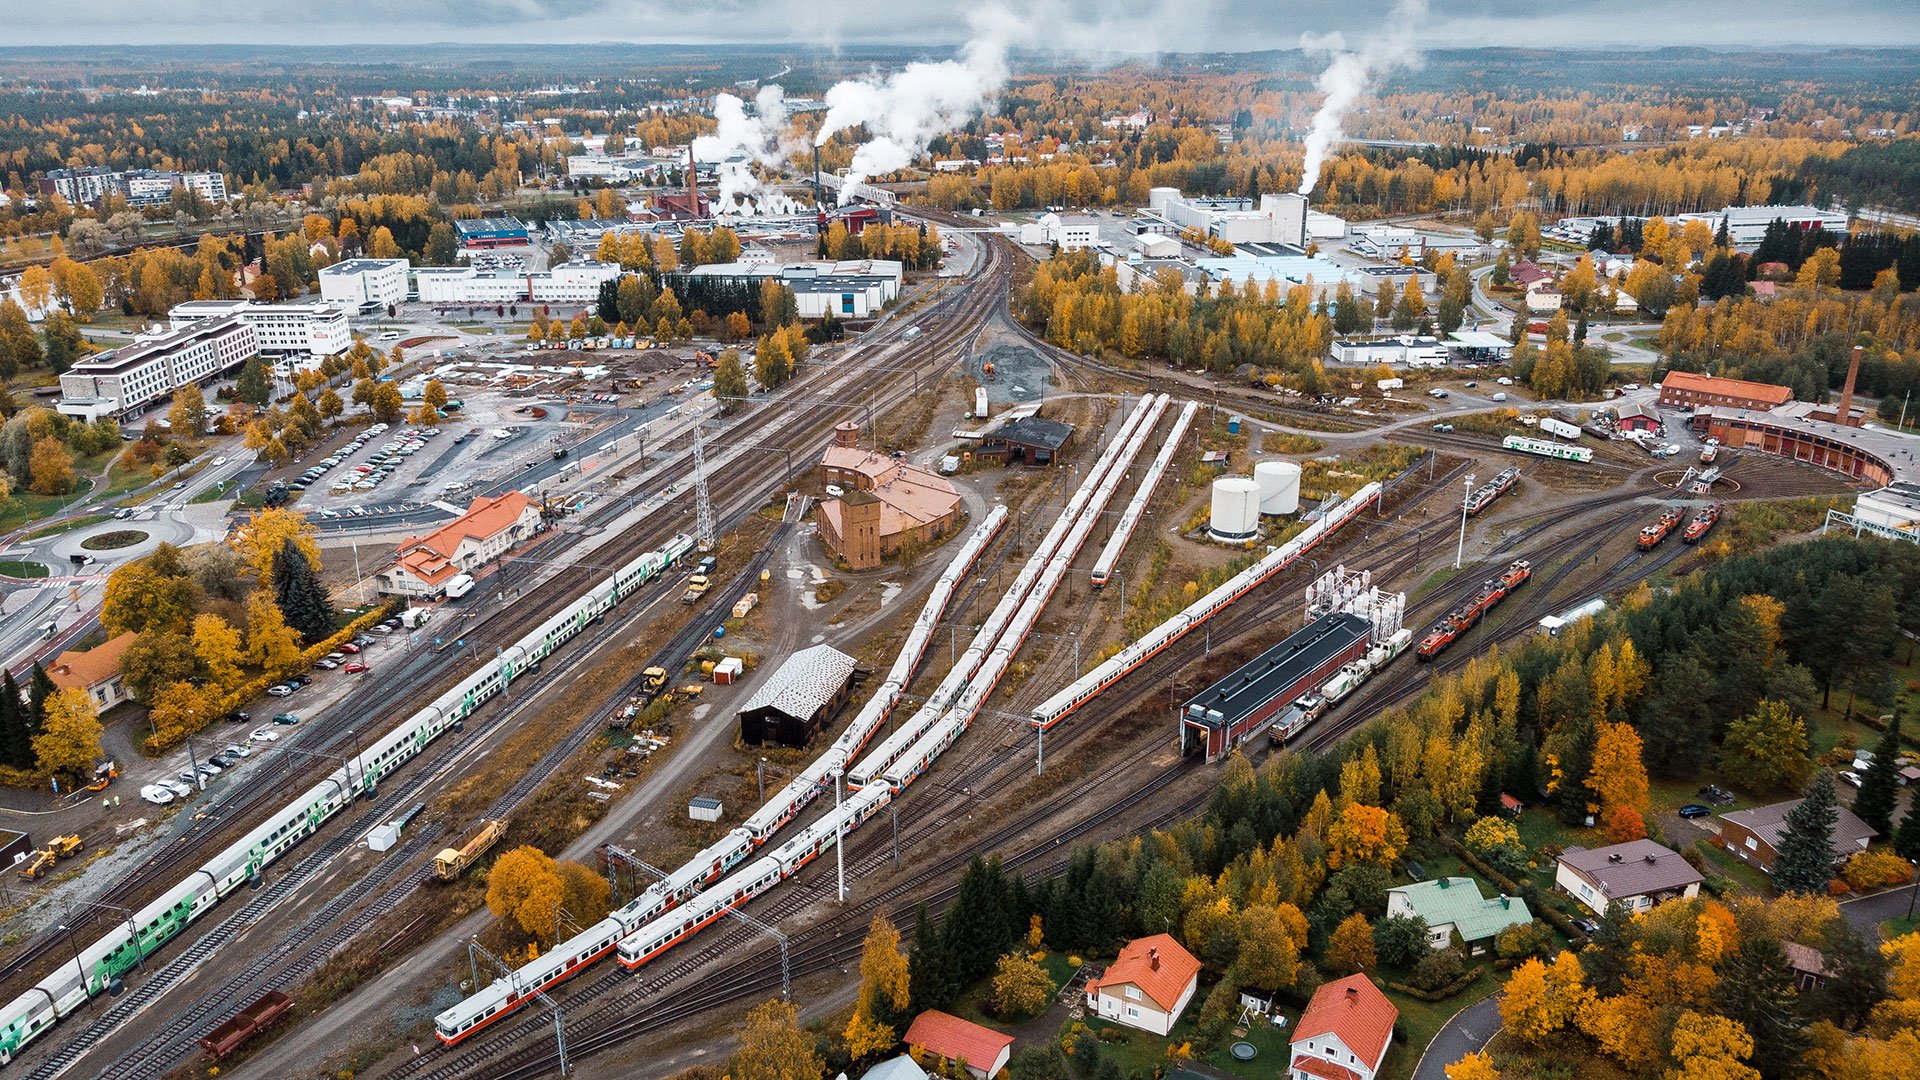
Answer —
(424, 565)
(1345, 1032)
(1527, 274)
(96, 671)
(1147, 987)
(984, 1050)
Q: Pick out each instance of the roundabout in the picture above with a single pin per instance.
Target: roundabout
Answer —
(114, 540)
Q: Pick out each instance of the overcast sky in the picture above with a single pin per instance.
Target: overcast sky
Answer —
(1155, 25)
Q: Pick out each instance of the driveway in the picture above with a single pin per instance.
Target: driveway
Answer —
(1468, 1031)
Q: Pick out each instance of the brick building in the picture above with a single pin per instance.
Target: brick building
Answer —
(1684, 389)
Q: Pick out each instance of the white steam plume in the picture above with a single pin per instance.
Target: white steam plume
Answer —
(1351, 74)
(758, 135)
(906, 110)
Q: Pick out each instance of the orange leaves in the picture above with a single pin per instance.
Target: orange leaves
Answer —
(1364, 834)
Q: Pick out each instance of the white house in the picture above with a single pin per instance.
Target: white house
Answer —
(1344, 1034)
(1147, 987)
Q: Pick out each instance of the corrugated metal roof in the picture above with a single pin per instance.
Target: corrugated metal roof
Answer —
(1272, 672)
(807, 681)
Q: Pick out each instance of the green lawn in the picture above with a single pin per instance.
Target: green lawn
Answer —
(1420, 1021)
(1899, 927)
(1726, 864)
(216, 493)
(80, 522)
(22, 568)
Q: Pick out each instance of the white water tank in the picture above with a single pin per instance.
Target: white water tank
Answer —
(1236, 509)
(1279, 486)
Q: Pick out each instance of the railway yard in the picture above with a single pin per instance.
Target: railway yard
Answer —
(1024, 692)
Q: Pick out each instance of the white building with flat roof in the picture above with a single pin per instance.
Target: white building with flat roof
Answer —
(298, 335)
(365, 281)
(576, 282)
(125, 381)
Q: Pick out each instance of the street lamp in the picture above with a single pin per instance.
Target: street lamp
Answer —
(1466, 495)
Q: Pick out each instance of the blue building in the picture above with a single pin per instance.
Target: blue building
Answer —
(491, 232)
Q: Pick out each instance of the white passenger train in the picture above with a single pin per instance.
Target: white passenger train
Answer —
(1103, 566)
(1116, 667)
(505, 994)
(99, 965)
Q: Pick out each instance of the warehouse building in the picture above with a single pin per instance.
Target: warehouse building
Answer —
(1030, 439)
(1687, 390)
(363, 283)
(791, 707)
(124, 382)
(1240, 706)
(491, 232)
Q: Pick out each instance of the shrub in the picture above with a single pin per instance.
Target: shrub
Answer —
(1437, 969)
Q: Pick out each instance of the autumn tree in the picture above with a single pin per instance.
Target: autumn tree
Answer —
(730, 381)
(772, 1046)
(1475, 1066)
(1542, 999)
(51, 467)
(1767, 749)
(1365, 834)
(69, 738)
(272, 645)
(188, 413)
(525, 885)
(1269, 949)
(152, 593)
(1350, 947)
(884, 991)
(1021, 987)
(1708, 1047)
(267, 531)
(218, 648)
(178, 709)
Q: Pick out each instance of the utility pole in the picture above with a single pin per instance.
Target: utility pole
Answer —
(839, 851)
(1460, 551)
(704, 532)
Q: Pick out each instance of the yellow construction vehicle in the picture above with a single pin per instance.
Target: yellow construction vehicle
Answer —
(36, 864)
(64, 847)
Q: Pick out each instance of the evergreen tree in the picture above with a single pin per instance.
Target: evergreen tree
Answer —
(1879, 787)
(40, 688)
(608, 304)
(1907, 841)
(1804, 863)
(16, 745)
(930, 973)
(1608, 958)
(252, 386)
(979, 927)
(1856, 977)
(303, 601)
(1756, 991)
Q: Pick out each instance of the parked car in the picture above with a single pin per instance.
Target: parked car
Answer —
(1695, 810)
(354, 668)
(237, 750)
(337, 658)
(286, 719)
(300, 680)
(239, 717)
(325, 665)
(350, 647)
(157, 795)
(1587, 926)
(1850, 777)
(178, 787)
(1504, 381)
(264, 735)
(279, 690)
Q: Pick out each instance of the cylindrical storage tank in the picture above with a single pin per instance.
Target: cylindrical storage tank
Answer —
(1279, 487)
(1236, 509)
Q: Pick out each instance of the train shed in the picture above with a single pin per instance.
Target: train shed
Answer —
(790, 708)
(1241, 705)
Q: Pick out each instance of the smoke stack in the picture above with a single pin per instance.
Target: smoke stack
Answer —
(693, 185)
(1353, 995)
(1845, 414)
(819, 204)
(1153, 957)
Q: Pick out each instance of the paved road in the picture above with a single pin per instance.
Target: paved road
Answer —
(1868, 912)
(1468, 1031)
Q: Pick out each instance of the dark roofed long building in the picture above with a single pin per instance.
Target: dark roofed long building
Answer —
(1032, 439)
(1241, 705)
(792, 706)
(1755, 834)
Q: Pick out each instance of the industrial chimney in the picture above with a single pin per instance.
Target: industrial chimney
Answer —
(1844, 415)
(819, 204)
(693, 185)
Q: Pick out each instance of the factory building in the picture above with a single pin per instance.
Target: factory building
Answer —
(1278, 219)
(491, 232)
(791, 707)
(362, 283)
(298, 336)
(1240, 706)
(123, 382)
(576, 282)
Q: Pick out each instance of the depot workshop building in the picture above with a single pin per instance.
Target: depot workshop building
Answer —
(1240, 706)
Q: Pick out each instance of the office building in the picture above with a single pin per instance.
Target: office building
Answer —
(124, 382)
(361, 283)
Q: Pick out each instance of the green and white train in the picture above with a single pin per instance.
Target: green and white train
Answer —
(77, 980)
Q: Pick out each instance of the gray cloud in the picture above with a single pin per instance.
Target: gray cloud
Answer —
(1227, 25)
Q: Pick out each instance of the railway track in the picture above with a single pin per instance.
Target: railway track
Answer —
(929, 355)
